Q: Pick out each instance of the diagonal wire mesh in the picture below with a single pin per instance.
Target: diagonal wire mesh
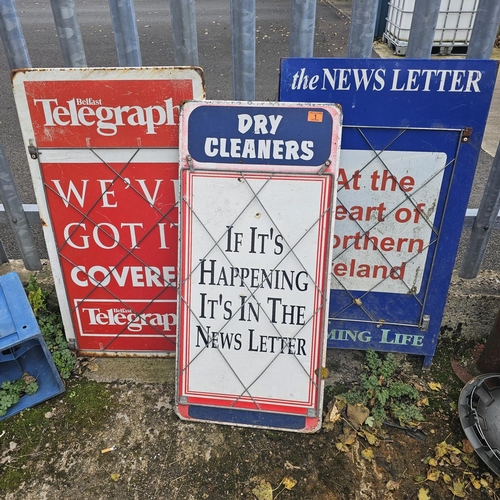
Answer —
(356, 301)
(251, 289)
(85, 216)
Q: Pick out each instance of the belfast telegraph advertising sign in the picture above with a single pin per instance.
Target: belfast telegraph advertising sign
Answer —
(103, 153)
(257, 184)
(411, 138)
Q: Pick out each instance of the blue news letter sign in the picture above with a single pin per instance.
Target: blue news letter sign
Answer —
(411, 138)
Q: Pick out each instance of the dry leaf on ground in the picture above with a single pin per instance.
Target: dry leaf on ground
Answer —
(288, 482)
(458, 489)
(357, 414)
(467, 446)
(263, 491)
(423, 494)
(433, 474)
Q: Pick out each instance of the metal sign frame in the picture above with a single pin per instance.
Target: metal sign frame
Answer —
(412, 134)
(254, 259)
(102, 147)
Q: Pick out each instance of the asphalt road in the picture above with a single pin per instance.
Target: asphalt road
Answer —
(214, 41)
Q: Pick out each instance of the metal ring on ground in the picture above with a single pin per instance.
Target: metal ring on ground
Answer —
(479, 409)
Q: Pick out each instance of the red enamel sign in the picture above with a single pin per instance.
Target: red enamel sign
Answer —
(104, 159)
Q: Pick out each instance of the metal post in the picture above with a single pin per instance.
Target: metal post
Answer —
(483, 223)
(68, 31)
(302, 21)
(126, 35)
(423, 26)
(17, 217)
(362, 30)
(12, 36)
(484, 30)
(243, 35)
(481, 45)
(184, 32)
(489, 361)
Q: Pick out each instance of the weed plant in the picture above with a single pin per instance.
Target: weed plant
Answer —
(50, 323)
(12, 391)
(384, 393)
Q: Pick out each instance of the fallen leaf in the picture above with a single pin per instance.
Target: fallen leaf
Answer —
(419, 387)
(458, 489)
(371, 438)
(441, 449)
(455, 460)
(322, 372)
(423, 402)
(49, 414)
(447, 478)
(328, 426)
(476, 484)
(467, 446)
(263, 491)
(27, 378)
(115, 477)
(419, 479)
(432, 462)
(423, 494)
(350, 439)
(434, 386)
(357, 414)
(289, 482)
(484, 482)
(433, 474)
(471, 461)
(341, 446)
(357, 302)
(335, 411)
(453, 449)
(12, 445)
(488, 477)
(367, 454)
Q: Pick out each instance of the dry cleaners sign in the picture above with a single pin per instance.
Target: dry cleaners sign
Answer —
(411, 137)
(257, 191)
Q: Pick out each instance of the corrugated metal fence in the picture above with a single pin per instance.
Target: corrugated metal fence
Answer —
(365, 14)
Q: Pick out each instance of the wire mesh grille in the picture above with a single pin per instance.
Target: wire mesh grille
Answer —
(389, 217)
(240, 273)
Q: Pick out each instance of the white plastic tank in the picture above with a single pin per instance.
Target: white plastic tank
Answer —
(454, 26)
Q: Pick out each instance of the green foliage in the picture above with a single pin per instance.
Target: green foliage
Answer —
(49, 320)
(11, 392)
(384, 393)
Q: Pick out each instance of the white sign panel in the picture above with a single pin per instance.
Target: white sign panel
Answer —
(386, 205)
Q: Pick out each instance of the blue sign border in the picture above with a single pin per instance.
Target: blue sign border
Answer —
(442, 106)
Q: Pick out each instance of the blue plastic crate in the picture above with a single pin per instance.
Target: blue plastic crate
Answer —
(22, 347)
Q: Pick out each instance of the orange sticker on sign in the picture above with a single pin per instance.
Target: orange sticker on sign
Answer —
(315, 116)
